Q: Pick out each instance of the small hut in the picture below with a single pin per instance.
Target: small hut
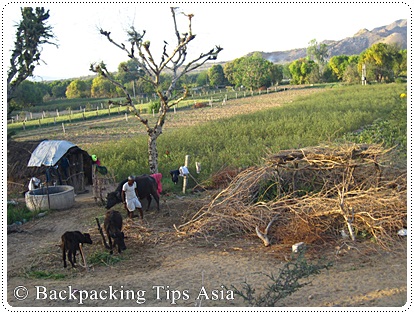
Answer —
(63, 163)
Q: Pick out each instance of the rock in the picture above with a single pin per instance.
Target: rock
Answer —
(298, 247)
(402, 232)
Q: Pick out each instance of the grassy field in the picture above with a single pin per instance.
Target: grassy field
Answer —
(241, 132)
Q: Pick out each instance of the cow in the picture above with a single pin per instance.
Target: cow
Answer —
(71, 240)
(113, 230)
(147, 187)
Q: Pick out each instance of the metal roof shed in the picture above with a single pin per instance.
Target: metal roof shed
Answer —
(71, 165)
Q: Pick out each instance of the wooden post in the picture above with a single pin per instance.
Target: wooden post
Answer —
(364, 75)
(126, 117)
(31, 116)
(185, 179)
(57, 112)
(63, 128)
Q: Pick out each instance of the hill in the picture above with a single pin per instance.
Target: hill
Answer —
(354, 45)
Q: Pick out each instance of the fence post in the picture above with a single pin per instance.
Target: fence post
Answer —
(185, 180)
(63, 128)
(126, 117)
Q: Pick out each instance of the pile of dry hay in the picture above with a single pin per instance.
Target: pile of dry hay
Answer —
(310, 195)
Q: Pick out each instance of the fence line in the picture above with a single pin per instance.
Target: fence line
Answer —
(215, 96)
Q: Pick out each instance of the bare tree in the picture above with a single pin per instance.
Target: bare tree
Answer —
(149, 70)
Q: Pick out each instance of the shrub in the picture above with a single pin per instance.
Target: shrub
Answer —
(154, 106)
(286, 283)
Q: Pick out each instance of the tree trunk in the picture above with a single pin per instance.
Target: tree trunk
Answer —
(153, 151)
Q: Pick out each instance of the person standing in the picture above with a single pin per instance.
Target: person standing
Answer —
(130, 198)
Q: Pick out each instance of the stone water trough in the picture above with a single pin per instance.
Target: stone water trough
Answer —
(53, 197)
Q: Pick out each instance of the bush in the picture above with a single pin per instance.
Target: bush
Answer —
(286, 283)
(19, 212)
(154, 106)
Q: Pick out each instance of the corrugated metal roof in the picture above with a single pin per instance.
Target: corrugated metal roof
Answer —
(48, 153)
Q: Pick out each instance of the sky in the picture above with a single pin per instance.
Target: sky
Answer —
(238, 28)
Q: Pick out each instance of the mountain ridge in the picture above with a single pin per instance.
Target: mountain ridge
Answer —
(394, 33)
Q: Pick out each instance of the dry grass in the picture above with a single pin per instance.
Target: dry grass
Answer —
(311, 195)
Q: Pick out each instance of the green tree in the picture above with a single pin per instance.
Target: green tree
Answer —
(255, 71)
(216, 76)
(58, 88)
(252, 72)
(400, 68)
(286, 72)
(231, 72)
(27, 94)
(380, 61)
(102, 88)
(172, 60)
(338, 64)
(78, 89)
(32, 32)
(276, 73)
(318, 53)
(202, 79)
(351, 74)
(302, 69)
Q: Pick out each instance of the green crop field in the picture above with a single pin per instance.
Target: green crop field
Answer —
(241, 132)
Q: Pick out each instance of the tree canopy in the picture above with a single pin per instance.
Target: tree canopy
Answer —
(253, 72)
(32, 32)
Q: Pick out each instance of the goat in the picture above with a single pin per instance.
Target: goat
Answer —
(71, 242)
(113, 229)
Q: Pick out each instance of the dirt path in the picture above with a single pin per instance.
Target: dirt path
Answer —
(161, 269)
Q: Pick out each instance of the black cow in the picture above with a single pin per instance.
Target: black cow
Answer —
(113, 229)
(147, 187)
(70, 244)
